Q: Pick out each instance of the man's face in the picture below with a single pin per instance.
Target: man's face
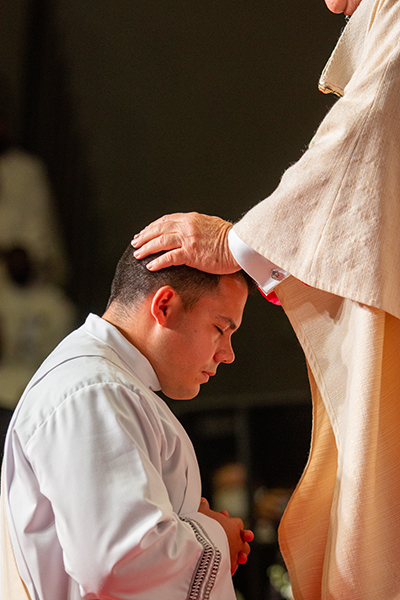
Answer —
(200, 338)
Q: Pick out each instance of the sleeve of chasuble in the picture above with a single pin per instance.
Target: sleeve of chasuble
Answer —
(99, 459)
(333, 221)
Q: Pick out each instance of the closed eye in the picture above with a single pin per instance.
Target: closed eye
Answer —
(219, 330)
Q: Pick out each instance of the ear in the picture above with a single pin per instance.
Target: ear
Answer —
(164, 304)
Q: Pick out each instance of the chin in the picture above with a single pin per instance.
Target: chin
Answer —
(182, 394)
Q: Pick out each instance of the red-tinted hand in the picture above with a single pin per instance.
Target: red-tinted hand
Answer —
(238, 538)
(196, 240)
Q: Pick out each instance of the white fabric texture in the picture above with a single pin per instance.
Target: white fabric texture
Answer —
(102, 484)
(264, 272)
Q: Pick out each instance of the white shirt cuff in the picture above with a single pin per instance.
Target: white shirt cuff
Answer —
(263, 271)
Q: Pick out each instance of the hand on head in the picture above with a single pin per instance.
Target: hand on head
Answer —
(199, 241)
(238, 538)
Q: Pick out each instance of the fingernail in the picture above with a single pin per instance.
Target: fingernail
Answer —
(150, 266)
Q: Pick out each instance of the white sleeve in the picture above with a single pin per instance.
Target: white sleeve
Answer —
(264, 272)
(98, 459)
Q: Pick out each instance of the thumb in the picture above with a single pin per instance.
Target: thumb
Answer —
(204, 503)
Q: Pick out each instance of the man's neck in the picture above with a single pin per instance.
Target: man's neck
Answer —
(133, 324)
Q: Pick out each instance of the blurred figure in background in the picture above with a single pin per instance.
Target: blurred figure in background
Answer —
(27, 215)
(261, 510)
(230, 491)
(35, 313)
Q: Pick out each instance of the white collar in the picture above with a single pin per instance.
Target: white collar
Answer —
(127, 353)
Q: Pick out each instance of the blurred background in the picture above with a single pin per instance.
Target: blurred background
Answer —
(115, 113)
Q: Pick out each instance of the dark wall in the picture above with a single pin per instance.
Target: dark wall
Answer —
(13, 16)
(191, 105)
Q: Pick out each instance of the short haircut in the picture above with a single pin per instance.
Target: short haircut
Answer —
(133, 282)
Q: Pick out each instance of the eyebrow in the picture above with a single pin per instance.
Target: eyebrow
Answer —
(230, 322)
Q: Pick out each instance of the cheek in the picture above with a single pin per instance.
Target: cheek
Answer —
(201, 350)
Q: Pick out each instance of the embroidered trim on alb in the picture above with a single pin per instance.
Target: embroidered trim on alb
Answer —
(208, 565)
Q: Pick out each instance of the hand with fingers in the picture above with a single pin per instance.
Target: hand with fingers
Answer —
(238, 538)
(193, 239)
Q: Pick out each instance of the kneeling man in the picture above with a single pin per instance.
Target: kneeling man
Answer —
(101, 488)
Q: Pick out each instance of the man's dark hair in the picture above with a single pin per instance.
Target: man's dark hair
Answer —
(133, 281)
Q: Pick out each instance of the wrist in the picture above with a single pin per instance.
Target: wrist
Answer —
(232, 266)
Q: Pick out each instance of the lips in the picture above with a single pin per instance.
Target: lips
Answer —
(207, 375)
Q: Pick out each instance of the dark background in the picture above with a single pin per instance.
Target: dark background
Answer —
(143, 107)
(140, 108)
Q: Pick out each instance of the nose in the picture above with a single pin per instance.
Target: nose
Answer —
(225, 353)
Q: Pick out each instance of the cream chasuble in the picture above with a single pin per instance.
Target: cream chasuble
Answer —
(334, 223)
